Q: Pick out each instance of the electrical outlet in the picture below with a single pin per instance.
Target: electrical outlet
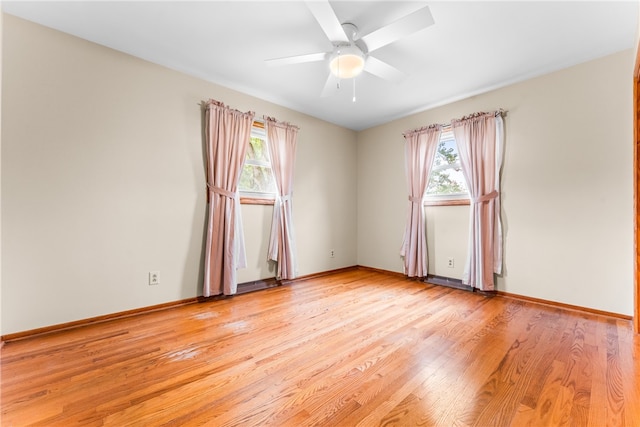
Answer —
(450, 262)
(332, 253)
(154, 278)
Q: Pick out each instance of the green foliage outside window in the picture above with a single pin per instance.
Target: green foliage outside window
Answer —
(446, 174)
(257, 176)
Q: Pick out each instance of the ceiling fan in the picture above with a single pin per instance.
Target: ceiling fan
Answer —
(351, 54)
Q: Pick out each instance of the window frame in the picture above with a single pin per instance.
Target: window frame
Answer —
(253, 197)
(458, 199)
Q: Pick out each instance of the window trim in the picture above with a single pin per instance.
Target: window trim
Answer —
(448, 201)
(249, 200)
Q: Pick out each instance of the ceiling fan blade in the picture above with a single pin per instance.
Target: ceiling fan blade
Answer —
(383, 70)
(326, 17)
(298, 59)
(331, 86)
(404, 26)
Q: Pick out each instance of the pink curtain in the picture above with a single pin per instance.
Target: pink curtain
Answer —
(420, 150)
(227, 134)
(282, 148)
(480, 140)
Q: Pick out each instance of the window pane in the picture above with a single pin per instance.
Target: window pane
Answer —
(447, 152)
(257, 150)
(446, 176)
(258, 179)
(447, 181)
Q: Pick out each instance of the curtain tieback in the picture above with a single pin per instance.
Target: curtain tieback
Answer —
(486, 197)
(415, 199)
(221, 191)
(285, 198)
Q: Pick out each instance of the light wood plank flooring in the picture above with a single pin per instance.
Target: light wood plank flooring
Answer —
(353, 348)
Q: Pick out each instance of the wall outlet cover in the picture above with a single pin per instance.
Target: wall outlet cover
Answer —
(154, 278)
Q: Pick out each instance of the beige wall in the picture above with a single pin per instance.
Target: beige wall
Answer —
(567, 188)
(103, 181)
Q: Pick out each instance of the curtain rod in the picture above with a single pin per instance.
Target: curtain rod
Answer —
(498, 112)
(447, 126)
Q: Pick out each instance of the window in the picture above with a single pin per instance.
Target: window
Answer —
(446, 183)
(257, 184)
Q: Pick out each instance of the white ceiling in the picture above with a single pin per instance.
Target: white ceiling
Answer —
(473, 46)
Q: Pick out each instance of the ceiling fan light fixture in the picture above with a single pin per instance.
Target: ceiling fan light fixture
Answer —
(347, 62)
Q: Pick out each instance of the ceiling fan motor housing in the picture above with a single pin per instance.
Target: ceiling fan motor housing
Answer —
(347, 60)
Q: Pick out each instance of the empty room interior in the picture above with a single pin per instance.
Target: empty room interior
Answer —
(206, 220)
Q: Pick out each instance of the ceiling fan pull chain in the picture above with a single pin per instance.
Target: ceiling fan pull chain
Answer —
(354, 90)
(338, 85)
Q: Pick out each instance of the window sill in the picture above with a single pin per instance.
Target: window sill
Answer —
(450, 202)
(256, 201)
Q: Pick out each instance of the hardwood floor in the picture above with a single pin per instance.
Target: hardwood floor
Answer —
(354, 348)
